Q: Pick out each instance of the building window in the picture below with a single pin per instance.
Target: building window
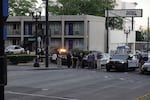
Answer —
(70, 28)
(55, 28)
(74, 28)
(15, 26)
(30, 29)
(39, 26)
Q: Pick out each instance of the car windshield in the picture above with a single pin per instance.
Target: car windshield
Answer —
(123, 57)
(148, 61)
(10, 47)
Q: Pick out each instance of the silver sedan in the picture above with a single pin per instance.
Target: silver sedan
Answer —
(145, 67)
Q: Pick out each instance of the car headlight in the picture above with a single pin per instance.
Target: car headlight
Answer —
(122, 62)
(107, 61)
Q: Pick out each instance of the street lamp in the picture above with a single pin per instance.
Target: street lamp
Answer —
(36, 15)
(127, 31)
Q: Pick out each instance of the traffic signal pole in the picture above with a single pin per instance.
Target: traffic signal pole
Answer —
(3, 66)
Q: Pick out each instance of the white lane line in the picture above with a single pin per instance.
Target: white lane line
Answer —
(44, 89)
(38, 95)
(106, 76)
(122, 79)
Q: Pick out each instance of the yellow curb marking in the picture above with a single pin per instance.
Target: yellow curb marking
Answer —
(143, 97)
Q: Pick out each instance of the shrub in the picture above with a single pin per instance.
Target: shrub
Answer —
(22, 58)
(78, 51)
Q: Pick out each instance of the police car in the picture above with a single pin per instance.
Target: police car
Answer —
(122, 62)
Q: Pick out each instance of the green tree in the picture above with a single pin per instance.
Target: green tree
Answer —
(115, 23)
(86, 7)
(139, 36)
(142, 34)
(21, 7)
(74, 7)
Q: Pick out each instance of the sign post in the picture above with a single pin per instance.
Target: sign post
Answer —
(3, 67)
(125, 13)
(122, 13)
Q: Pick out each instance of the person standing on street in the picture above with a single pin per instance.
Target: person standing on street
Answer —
(80, 60)
(69, 59)
(75, 59)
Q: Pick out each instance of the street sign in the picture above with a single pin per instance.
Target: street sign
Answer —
(32, 39)
(5, 8)
(124, 13)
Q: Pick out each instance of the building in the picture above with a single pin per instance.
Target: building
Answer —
(127, 36)
(67, 31)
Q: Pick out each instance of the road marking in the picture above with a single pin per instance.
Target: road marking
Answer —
(122, 79)
(44, 89)
(106, 76)
(38, 95)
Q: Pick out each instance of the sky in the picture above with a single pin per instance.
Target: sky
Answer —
(145, 5)
(139, 21)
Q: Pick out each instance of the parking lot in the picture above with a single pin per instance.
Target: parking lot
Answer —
(29, 83)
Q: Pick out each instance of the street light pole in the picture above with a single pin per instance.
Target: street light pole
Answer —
(36, 15)
(3, 61)
(148, 35)
(127, 33)
(107, 30)
(47, 39)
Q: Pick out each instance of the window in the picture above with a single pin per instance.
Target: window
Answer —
(15, 26)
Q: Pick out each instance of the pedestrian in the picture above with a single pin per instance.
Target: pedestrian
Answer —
(141, 61)
(80, 60)
(91, 61)
(69, 59)
(59, 62)
(74, 59)
(95, 61)
(42, 54)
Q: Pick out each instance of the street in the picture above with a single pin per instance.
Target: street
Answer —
(29, 83)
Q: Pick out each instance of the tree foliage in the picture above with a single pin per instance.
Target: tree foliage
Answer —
(21, 7)
(85, 7)
(143, 34)
(139, 36)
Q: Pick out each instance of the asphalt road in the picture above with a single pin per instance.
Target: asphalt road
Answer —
(29, 83)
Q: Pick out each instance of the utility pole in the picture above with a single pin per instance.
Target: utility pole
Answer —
(3, 67)
(107, 30)
(47, 39)
(148, 35)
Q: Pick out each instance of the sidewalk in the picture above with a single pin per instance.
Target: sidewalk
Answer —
(42, 65)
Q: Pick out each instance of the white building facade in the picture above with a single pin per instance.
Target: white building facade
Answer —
(119, 37)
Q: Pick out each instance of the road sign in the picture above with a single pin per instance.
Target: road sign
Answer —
(5, 8)
(124, 13)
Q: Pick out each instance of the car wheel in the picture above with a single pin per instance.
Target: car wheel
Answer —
(141, 71)
(125, 68)
(133, 69)
(21, 52)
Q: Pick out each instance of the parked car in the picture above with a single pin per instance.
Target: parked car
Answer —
(14, 49)
(145, 67)
(122, 62)
(103, 58)
(61, 52)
